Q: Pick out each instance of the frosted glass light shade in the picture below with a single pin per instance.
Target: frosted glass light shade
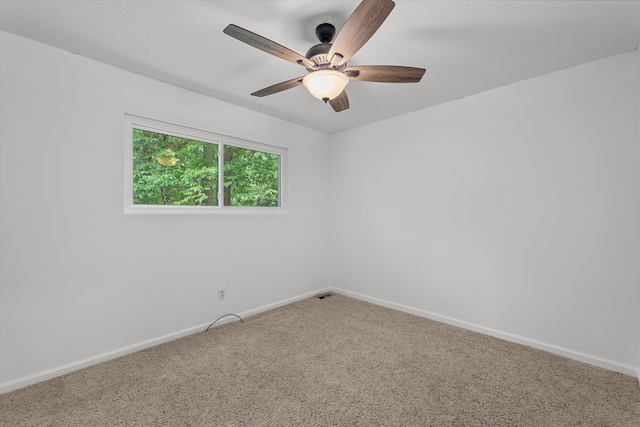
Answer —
(325, 84)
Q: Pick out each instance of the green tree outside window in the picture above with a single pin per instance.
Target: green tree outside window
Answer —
(170, 170)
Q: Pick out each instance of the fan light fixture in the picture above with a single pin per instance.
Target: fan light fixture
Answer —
(325, 84)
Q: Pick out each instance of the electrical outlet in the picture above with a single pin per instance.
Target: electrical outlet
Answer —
(221, 294)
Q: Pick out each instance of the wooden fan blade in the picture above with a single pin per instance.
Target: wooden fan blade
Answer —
(266, 45)
(385, 73)
(361, 25)
(279, 87)
(340, 102)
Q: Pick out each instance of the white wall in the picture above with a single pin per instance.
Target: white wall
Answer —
(638, 134)
(514, 212)
(78, 278)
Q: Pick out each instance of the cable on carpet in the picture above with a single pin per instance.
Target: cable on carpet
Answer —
(230, 314)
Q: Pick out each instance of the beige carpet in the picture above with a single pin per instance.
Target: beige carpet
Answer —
(331, 362)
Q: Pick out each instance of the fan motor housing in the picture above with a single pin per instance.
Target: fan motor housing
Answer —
(318, 54)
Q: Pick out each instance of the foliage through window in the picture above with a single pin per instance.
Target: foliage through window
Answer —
(169, 170)
(173, 166)
(250, 177)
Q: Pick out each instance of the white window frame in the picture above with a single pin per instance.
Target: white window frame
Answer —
(168, 128)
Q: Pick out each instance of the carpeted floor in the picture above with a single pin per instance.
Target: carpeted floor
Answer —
(331, 362)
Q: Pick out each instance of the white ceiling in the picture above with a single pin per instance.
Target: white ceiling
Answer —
(466, 46)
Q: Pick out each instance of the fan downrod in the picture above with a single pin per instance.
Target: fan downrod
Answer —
(325, 32)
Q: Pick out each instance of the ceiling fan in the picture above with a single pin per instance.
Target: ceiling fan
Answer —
(327, 62)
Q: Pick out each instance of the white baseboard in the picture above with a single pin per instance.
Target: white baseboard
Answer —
(27, 380)
(15, 384)
(561, 351)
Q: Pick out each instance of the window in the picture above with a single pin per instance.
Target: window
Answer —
(175, 169)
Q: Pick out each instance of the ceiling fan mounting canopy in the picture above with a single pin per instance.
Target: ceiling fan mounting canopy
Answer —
(325, 32)
(326, 62)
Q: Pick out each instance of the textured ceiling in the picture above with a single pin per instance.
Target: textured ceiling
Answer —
(466, 46)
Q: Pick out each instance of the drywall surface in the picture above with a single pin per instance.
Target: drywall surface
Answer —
(514, 210)
(638, 179)
(80, 279)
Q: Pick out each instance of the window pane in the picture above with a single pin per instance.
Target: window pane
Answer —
(169, 170)
(251, 178)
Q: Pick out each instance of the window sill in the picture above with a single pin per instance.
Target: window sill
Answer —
(202, 210)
